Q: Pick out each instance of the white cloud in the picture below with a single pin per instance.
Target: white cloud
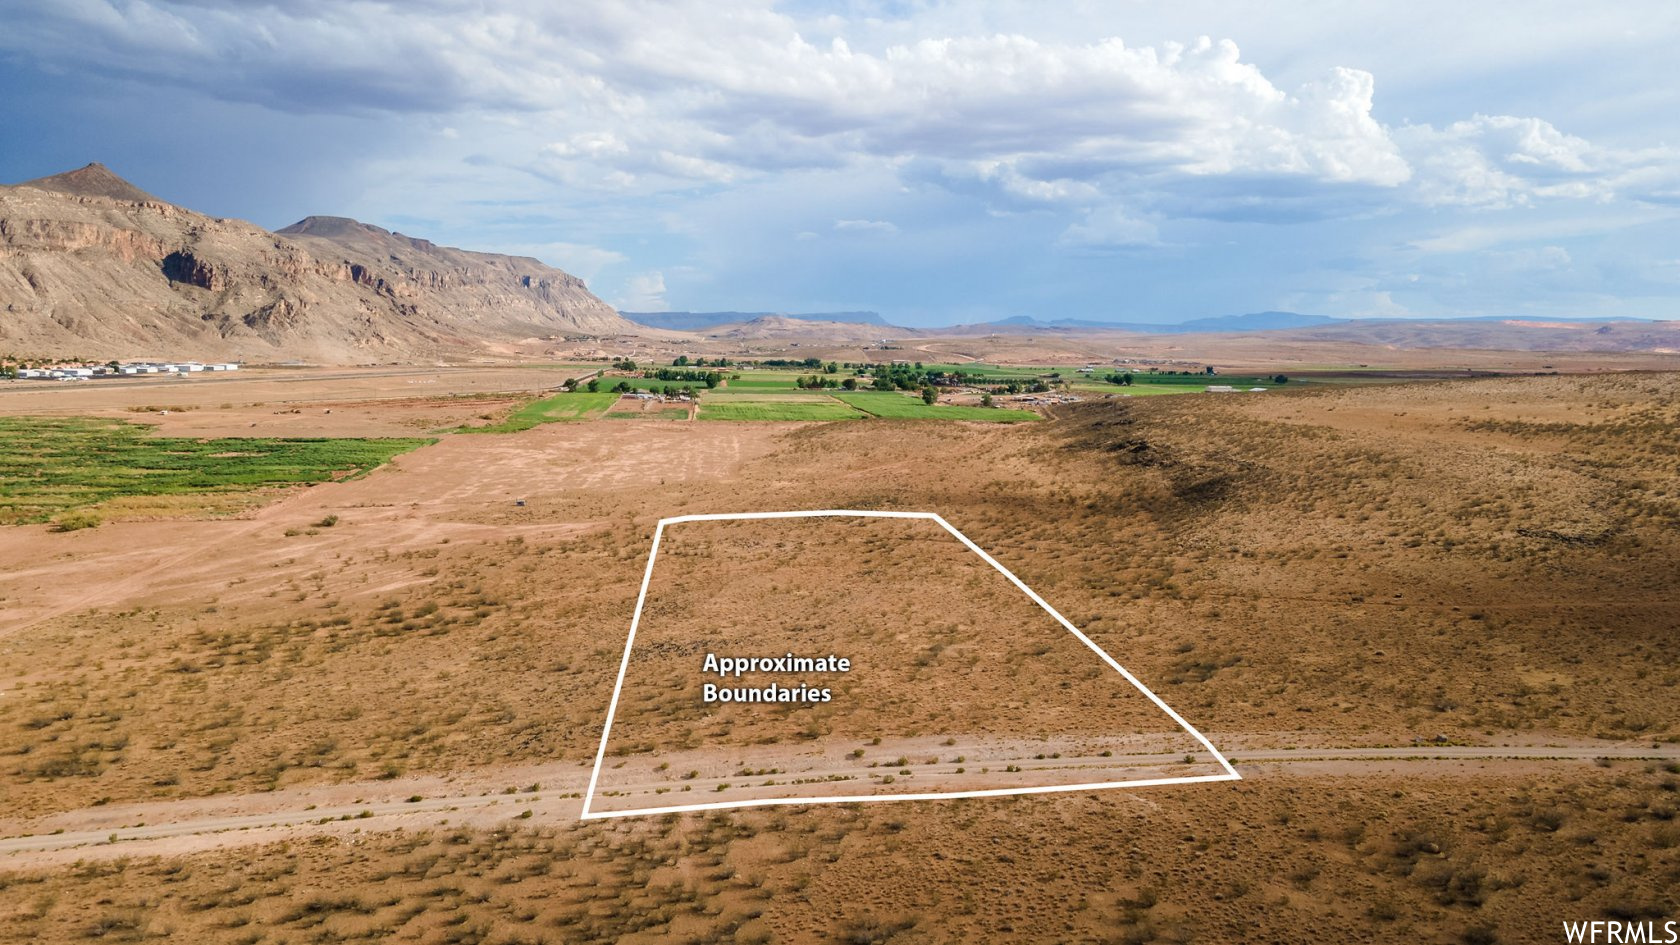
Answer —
(711, 91)
(1107, 229)
(643, 293)
(875, 227)
(1502, 161)
(592, 144)
(1488, 235)
(580, 259)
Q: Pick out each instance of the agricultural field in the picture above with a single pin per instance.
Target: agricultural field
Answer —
(813, 408)
(896, 406)
(656, 413)
(50, 466)
(576, 405)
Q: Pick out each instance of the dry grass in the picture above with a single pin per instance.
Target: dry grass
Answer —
(1468, 560)
(1267, 861)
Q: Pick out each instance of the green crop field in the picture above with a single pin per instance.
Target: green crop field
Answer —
(577, 406)
(764, 380)
(807, 409)
(662, 413)
(891, 406)
(50, 465)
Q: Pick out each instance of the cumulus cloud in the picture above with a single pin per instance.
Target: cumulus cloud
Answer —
(580, 259)
(644, 292)
(698, 92)
(1501, 161)
(645, 116)
(1109, 229)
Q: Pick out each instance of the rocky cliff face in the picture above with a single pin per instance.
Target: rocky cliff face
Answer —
(91, 265)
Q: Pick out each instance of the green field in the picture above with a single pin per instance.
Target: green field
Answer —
(808, 409)
(576, 406)
(768, 380)
(892, 406)
(662, 413)
(50, 465)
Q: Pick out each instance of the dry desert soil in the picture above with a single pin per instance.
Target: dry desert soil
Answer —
(1435, 626)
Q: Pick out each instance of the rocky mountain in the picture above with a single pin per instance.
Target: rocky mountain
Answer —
(93, 266)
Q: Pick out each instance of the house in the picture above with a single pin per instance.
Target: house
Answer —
(226, 366)
(32, 372)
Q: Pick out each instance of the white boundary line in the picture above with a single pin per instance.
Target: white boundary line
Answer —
(635, 621)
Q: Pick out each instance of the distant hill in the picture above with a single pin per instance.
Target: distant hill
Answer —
(1495, 332)
(1507, 334)
(782, 327)
(1254, 321)
(94, 180)
(92, 265)
(700, 321)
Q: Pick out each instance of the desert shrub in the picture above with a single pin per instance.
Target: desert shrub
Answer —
(76, 520)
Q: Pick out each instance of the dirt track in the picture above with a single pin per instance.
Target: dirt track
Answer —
(252, 819)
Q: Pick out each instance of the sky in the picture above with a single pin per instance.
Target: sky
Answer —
(934, 162)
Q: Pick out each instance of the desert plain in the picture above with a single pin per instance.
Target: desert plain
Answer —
(1433, 625)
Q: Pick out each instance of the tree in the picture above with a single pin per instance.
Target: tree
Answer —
(849, 383)
(622, 387)
(985, 400)
(1280, 379)
(681, 361)
(929, 395)
(713, 379)
(831, 368)
(883, 382)
(570, 384)
(594, 384)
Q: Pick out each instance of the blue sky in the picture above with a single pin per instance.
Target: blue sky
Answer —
(934, 162)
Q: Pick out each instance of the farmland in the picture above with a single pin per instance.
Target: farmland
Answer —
(894, 406)
(579, 405)
(51, 465)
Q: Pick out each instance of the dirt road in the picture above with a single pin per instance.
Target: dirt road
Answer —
(186, 826)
